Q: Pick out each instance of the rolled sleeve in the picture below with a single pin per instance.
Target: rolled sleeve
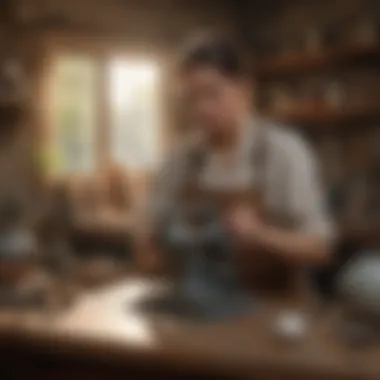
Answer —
(306, 193)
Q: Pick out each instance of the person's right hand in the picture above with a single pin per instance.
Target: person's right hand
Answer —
(245, 225)
(150, 263)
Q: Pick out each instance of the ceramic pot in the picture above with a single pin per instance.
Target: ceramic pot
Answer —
(359, 285)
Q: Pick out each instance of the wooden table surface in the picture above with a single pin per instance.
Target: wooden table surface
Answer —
(106, 324)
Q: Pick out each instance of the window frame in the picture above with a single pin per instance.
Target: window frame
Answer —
(102, 50)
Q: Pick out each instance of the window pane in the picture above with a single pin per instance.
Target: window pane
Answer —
(73, 115)
(134, 105)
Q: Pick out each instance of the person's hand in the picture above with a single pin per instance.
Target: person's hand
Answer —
(244, 224)
(147, 257)
(149, 263)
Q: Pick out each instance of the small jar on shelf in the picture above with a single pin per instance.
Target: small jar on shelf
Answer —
(314, 41)
(280, 100)
(365, 33)
(334, 95)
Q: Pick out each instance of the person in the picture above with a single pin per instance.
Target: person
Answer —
(217, 90)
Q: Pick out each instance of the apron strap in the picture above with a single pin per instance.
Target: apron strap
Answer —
(259, 160)
(258, 156)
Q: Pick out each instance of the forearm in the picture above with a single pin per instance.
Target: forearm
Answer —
(294, 247)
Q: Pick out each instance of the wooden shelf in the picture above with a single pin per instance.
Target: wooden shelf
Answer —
(324, 116)
(294, 63)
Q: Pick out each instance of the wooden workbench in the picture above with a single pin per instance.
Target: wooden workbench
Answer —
(104, 336)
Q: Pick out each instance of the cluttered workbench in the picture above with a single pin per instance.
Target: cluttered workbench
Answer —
(103, 334)
(107, 331)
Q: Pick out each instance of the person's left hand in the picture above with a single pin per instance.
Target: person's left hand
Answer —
(244, 224)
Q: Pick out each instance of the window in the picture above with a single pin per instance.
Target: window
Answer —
(134, 113)
(103, 111)
(73, 125)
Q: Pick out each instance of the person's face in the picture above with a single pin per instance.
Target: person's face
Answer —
(215, 101)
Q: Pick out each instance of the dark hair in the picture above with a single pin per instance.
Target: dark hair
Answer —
(217, 52)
